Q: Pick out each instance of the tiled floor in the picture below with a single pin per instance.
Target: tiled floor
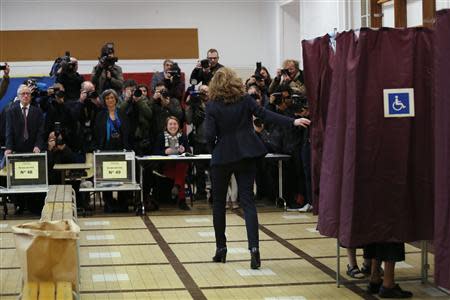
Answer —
(167, 255)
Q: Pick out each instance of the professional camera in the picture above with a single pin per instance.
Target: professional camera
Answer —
(258, 122)
(164, 93)
(2, 67)
(175, 71)
(204, 63)
(255, 96)
(299, 102)
(58, 92)
(38, 89)
(137, 93)
(107, 61)
(278, 98)
(285, 72)
(58, 134)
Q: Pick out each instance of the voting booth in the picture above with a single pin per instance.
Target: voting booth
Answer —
(114, 169)
(26, 171)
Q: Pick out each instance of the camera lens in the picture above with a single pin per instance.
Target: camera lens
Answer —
(137, 93)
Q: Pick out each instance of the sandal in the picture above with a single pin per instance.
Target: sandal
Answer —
(354, 272)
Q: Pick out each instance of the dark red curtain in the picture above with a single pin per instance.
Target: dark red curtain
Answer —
(318, 58)
(376, 174)
(442, 148)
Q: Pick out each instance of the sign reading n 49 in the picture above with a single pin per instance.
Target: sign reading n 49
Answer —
(114, 169)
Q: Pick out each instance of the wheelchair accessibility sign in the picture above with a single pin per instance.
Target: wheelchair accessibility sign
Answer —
(398, 103)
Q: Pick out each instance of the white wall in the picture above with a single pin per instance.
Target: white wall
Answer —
(441, 4)
(290, 26)
(236, 28)
(413, 11)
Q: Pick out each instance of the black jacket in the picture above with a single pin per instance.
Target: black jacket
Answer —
(230, 133)
(100, 132)
(15, 126)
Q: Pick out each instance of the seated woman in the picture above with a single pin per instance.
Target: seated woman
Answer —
(173, 142)
(111, 133)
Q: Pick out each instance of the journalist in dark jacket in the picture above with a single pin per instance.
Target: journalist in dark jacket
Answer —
(235, 148)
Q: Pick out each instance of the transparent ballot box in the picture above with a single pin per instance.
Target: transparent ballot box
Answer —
(26, 171)
(114, 169)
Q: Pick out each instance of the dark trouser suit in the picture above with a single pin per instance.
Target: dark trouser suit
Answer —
(245, 172)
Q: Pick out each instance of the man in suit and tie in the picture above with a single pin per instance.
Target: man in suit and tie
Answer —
(24, 125)
(24, 134)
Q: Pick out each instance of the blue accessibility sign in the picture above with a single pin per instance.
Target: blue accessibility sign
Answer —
(398, 103)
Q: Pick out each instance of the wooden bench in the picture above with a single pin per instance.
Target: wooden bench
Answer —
(47, 291)
(60, 204)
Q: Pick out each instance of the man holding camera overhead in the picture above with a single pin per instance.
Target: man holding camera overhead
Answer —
(290, 75)
(206, 68)
(106, 74)
(5, 81)
(69, 77)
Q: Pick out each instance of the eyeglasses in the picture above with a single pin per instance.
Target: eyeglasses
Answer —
(213, 58)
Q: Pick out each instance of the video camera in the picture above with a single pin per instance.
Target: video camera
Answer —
(105, 60)
(64, 63)
(2, 67)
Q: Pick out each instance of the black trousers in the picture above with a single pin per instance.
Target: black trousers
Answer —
(245, 172)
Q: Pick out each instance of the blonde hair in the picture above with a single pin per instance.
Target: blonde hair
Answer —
(226, 86)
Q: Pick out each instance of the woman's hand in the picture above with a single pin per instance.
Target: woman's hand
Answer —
(302, 122)
(181, 149)
(169, 151)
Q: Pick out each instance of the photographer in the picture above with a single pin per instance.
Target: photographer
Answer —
(58, 111)
(163, 106)
(5, 81)
(260, 78)
(106, 74)
(83, 113)
(171, 76)
(138, 108)
(69, 77)
(206, 68)
(195, 115)
(58, 153)
(290, 75)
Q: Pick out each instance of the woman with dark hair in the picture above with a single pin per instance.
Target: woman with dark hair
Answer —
(235, 149)
(111, 133)
(173, 142)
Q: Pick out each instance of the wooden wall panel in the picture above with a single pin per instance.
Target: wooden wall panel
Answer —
(400, 14)
(44, 45)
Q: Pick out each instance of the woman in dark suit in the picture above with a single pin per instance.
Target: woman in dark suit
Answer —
(111, 133)
(235, 148)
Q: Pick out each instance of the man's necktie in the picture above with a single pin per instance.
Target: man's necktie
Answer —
(25, 124)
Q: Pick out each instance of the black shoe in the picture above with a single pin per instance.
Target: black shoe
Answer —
(200, 196)
(395, 292)
(374, 287)
(183, 206)
(18, 211)
(153, 206)
(255, 260)
(221, 255)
